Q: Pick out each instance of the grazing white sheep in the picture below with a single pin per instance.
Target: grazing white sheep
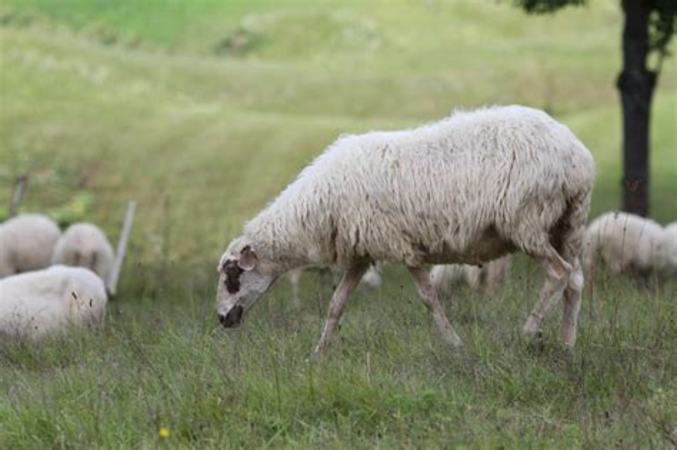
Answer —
(85, 245)
(670, 248)
(371, 279)
(443, 276)
(486, 278)
(40, 303)
(26, 243)
(467, 189)
(625, 243)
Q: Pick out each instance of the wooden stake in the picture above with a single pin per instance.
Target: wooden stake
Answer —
(19, 192)
(122, 248)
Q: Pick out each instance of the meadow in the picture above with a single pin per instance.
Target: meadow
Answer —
(203, 111)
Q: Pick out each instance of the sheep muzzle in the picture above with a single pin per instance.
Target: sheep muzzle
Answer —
(233, 317)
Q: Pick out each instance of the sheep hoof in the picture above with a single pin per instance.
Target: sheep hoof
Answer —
(454, 342)
(315, 355)
(532, 333)
(531, 329)
(569, 347)
(535, 340)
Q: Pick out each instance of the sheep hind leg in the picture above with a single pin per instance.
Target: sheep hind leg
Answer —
(557, 274)
(431, 300)
(351, 278)
(572, 305)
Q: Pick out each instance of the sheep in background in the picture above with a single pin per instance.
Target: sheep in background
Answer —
(26, 243)
(371, 279)
(85, 245)
(467, 189)
(44, 302)
(670, 248)
(625, 243)
(489, 276)
(485, 279)
(443, 276)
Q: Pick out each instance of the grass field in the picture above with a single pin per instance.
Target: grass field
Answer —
(203, 110)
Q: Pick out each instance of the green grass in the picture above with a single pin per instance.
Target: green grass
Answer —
(105, 101)
(161, 362)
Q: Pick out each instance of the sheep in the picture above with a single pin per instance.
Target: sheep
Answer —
(371, 279)
(26, 243)
(467, 189)
(670, 248)
(85, 245)
(625, 243)
(37, 304)
(486, 278)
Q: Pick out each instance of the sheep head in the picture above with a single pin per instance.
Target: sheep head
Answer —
(243, 278)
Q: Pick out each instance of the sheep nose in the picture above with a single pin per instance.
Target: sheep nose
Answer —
(223, 319)
(232, 318)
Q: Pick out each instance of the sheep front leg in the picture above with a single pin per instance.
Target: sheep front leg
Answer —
(351, 278)
(431, 300)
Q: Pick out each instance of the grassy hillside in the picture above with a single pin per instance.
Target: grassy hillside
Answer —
(203, 110)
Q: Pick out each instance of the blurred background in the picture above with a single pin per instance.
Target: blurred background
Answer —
(203, 110)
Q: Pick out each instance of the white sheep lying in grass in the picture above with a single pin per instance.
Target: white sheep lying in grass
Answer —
(85, 245)
(40, 303)
(467, 189)
(670, 248)
(26, 243)
(371, 279)
(485, 279)
(625, 243)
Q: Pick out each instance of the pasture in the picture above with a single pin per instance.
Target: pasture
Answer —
(203, 111)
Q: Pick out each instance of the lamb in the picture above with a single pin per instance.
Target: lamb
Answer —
(26, 243)
(85, 245)
(371, 279)
(670, 248)
(625, 243)
(42, 303)
(468, 189)
(486, 278)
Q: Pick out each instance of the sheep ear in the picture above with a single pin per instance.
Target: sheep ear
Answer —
(248, 258)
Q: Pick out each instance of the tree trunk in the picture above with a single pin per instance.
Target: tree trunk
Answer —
(636, 85)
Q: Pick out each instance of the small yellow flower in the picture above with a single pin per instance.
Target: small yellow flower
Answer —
(164, 432)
